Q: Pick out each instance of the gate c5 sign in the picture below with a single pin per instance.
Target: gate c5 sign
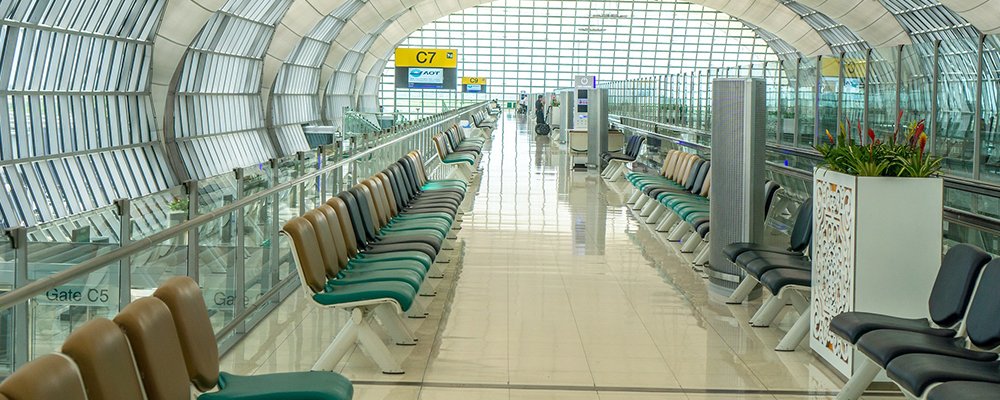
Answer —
(427, 58)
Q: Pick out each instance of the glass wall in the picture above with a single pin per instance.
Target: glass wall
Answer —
(537, 46)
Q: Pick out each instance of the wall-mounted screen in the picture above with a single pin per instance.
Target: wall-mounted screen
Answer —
(425, 78)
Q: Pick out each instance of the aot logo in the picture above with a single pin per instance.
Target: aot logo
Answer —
(426, 75)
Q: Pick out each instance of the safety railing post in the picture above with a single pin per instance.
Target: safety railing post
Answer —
(124, 209)
(19, 241)
(193, 263)
(239, 260)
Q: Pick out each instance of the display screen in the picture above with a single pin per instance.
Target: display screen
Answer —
(425, 78)
(474, 88)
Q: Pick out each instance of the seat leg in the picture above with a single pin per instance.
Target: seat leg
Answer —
(702, 257)
(678, 232)
(636, 193)
(417, 310)
(372, 345)
(795, 335)
(655, 216)
(344, 341)
(394, 325)
(767, 312)
(864, 374)
(435, 272)
(799, 301)
(619, 173)
(690, 242)
(648, 208)
(667, 223)
(639, 204)
(742, 291)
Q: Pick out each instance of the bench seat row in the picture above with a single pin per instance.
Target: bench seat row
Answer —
(371, 250)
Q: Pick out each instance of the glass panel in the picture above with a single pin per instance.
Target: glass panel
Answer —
(807, 90)
(829, 91)
(882, 92)
(258, 222)
(955, 120)
(57, 312)
(788, 93)
(217, 268)
(990, 168)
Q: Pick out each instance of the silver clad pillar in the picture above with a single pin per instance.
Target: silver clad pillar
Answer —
(597, 126)
(737, 193)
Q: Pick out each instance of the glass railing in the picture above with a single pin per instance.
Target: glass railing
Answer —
(222, 231)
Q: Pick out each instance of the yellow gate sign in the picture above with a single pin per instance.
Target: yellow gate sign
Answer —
(473, 80)
(428, 58)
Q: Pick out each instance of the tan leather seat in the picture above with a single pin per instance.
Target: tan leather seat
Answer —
(151, 332)
(49, 377)
(194, 330)
(101, 351)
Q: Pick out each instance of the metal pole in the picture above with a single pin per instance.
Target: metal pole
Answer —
(815, 102)
(899, 87)
(978, 117)
(795, 125)
(301, 187)
(273, 254)
(868, 87)
(935, 82)
(840, 93)
(19, 241)
(779, 119)
(124, 209)
(193, 262)
(239, 263)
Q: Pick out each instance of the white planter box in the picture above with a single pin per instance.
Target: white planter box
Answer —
(876, 248)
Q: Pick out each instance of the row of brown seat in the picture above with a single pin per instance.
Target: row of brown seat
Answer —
(157, 348)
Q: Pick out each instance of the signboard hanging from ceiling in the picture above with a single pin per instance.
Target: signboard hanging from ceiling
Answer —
(420, 68)
(473, 84)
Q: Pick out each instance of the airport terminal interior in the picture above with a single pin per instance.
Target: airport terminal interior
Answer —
(508, 199)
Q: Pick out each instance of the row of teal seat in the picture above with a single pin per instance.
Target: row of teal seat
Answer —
(677, 199)
(455, 147)
(370, 251)
(157, 348)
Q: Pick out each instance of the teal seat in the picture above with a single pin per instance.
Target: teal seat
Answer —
(424, 259)
(352, 277)
(456, 158)
(399, 291)
(361, 264)
(311, 385)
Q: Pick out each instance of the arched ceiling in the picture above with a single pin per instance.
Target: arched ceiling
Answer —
(372, 28)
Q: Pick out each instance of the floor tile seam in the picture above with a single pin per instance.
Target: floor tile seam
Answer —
(612, 389)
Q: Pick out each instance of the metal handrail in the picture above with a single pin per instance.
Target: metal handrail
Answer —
(39, 286)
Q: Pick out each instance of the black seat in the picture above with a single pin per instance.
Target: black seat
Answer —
(778, 278)
(947, 303)
(916, 371)
(631, 151)
(759, 266)
(798, 239)
(965, 390)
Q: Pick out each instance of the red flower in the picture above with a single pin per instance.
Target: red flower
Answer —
(871, 135)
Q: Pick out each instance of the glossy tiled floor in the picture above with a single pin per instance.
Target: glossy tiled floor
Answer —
(556, 292)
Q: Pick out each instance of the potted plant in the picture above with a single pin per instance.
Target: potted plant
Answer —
(877, 220)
